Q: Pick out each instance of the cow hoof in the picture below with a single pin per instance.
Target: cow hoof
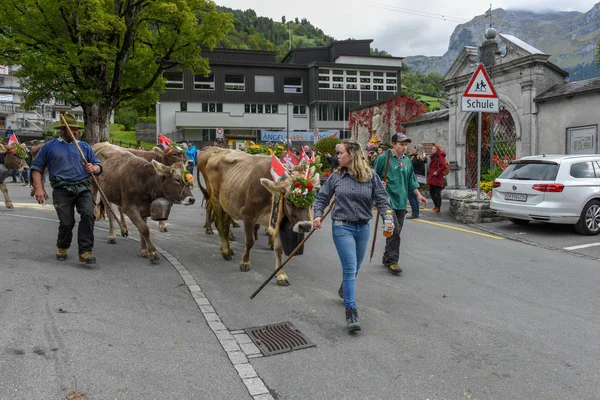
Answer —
(163, 229)
(10, 205)
(124, 233)
(144, 253)
(209, 232)
(155, 259)
(235, 224)
(226, 257)
(232, 238)
(271, 246)
(283, 282)
(230, 252)
(244, 267)
(111, 240)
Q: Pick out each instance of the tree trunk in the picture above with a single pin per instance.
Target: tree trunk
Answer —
(96, 118)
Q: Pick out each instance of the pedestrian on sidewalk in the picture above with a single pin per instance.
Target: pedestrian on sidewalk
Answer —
(356, 189)
(435, 177)
(400, 181)
(419, 160)
(70, 181)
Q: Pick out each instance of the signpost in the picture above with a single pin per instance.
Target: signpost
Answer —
(220, 133)
(480, 96)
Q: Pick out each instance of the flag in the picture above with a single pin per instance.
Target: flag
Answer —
(289, 158)
(303, 156)
(162, 139)
(334, 135)
(13, 139)
(278, 171)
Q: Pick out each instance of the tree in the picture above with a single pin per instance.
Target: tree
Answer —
(100, 54)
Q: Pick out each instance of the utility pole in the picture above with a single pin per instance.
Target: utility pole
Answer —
(288, 125)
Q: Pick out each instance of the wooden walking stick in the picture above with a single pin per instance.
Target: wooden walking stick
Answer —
(104, 199)
(293, 252)
(387, 165)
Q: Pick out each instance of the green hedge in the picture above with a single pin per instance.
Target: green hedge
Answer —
(146, 120)
(324, 146)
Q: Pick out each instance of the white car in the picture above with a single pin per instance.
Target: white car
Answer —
(561, 189)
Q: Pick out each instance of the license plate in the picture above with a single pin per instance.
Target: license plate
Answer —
(515, 197)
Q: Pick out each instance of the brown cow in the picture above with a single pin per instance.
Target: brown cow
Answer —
(9, 160)
(167, 157)
(240, 187)
(132, 183)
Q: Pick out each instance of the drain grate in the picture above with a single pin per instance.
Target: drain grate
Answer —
(278, 338)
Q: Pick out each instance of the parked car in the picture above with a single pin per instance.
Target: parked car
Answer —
(561, 189)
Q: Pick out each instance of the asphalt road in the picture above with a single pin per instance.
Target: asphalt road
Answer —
(475, 315)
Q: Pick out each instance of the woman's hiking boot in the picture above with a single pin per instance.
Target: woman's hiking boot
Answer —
(352, 320)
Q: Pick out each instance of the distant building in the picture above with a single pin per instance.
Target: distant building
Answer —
(27, 123)
(248, 93)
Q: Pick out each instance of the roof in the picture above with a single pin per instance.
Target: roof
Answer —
(375, 102)
(559, 157)
(569, 89)
(291, 51)
(430, 117)
(525, 46)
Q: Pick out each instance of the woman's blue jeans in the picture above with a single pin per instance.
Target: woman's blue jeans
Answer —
(351, 244)
(414, 203)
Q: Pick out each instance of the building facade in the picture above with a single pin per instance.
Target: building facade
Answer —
(27, 124)
(248, 92)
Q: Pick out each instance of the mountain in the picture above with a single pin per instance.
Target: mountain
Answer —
(569, 37)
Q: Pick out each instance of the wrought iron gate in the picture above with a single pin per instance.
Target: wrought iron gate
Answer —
(498, 138)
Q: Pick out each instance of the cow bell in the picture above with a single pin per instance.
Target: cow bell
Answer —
(160, 209)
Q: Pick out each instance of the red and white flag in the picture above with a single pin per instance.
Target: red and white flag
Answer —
(289, 158)
(162, 139)
(305, 158)
(13, 139)
(278, 171)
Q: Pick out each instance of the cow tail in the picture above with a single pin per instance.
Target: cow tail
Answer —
(202, 188)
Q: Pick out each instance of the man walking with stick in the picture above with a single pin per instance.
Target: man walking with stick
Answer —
(400, 180)
(70, 181)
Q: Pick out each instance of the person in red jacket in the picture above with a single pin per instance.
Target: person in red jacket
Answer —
(435, 176)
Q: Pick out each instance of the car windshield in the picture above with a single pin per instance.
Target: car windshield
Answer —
(531, 171)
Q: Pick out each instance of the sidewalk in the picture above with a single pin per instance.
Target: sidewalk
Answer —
(120, 329)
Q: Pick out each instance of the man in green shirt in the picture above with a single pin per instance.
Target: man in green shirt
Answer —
(399, 181)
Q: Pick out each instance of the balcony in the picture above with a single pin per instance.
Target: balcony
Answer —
(7, 108)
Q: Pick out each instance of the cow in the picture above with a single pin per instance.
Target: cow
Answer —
(167, 157)
(132, 183)
(240, 186)
(9, 160)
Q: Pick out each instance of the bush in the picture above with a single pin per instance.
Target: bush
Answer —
(324, 146)
(146, 120)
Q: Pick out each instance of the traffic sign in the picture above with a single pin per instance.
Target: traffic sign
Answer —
(219, 133)
(480, 95)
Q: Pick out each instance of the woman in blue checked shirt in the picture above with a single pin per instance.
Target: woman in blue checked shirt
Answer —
(356, 189)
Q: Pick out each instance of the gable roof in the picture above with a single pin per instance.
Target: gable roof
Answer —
(569, 89)
(429, 117)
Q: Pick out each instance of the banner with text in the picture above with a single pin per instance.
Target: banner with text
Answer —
(295, 136)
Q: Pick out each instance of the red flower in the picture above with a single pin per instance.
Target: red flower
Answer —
(309, 187)
(298, 184)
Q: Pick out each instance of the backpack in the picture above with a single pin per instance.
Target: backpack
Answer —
(447, 169)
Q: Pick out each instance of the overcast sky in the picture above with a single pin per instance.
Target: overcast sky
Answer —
(401, 27)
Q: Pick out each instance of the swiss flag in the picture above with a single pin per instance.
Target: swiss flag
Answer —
(278, 171)
(13, 139)
(162, 139)
(289, 158)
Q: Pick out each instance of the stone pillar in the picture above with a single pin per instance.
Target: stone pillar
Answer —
(528, 147)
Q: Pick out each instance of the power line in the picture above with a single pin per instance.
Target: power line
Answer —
(419, 13)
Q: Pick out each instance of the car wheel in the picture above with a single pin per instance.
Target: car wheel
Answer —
(517, 221)
(589, 222)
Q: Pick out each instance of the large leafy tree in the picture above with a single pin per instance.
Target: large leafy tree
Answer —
(103, 53)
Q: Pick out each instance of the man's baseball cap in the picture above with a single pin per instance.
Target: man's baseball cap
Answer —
(400, 137)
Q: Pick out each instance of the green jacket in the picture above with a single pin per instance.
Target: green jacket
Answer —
(401, 178)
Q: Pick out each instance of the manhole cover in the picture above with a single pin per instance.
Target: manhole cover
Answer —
(278, 338)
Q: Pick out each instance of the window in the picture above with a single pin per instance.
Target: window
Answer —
(174, 79)
(253, 108)
(292, 84)
(209, 135)
(300, 110)
(219, 107)
(274, 109)
(246, 108)
(204, 107)
(264, 84)
(259, 108)
(332, 112)
(582, 170)
(1, 81)
(202, 82)
(267, 109)
(212, 107)
(183, 106)
(235, 83)
(358, 80)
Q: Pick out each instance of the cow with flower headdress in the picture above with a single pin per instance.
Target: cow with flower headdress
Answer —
(12, 157)
(241, 186)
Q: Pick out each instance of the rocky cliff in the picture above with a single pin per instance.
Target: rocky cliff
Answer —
(569, 37)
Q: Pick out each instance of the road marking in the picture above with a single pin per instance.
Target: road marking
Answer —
(582, 246)
(459, 229)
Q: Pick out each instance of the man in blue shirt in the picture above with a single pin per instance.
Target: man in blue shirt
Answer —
(70, 181)
(191, 154)
(8, 133)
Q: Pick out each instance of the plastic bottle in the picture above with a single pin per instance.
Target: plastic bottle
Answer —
(388, 222)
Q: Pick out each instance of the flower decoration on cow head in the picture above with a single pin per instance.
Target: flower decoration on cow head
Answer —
(188, 178)
(18, 150)
(301, 192)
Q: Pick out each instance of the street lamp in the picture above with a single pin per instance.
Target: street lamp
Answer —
(287, 138)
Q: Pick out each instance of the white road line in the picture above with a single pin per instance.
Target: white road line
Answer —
(582, 246)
